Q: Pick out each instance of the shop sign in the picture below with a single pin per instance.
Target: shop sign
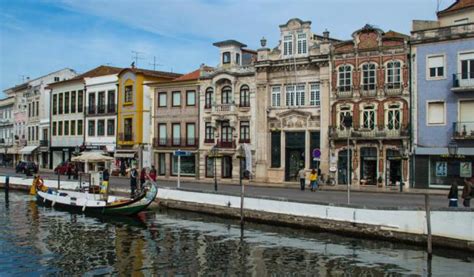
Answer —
(441, 169)
(465, 169)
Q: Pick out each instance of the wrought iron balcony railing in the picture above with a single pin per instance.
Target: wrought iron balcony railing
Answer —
(344, 92)
(175, 142)
(392, 89)
(463, 130)
(463, 81)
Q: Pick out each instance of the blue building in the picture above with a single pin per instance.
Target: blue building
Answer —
(442, 55)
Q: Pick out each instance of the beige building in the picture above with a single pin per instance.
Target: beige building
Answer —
(227, 112)
(292, 93)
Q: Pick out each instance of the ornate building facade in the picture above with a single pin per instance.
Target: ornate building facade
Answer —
(293, 103)
(370, 83)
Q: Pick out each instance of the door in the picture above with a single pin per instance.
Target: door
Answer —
(368, 165)
(294, 154)
(226, 167)
(466, 117)
(467, 69)
(342, 167)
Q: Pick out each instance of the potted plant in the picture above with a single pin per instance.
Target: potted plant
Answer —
(379, 181)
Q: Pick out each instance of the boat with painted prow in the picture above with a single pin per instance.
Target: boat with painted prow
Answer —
(84, 202)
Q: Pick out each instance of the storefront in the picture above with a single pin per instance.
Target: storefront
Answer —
(440, 171)
(368, 166)
(188, 165)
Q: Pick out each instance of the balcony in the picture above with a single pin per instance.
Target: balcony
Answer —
(337, 133)
(368, 91)
(101, 110)
(344, 92)
(463, 130)
(175, 142)
(126, 137)
(393, 89)
(44, 143)
(463, 82)
(225, 144)
(224, 108)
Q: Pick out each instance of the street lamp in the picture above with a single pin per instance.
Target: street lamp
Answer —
(404, 155)
(452, 149)
(214, 152)
(347, 122)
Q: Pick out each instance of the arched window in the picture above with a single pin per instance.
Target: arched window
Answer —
(244, 96)
(368, 76)
(393, 75)
(344, 78)
(394, 117)
(208, 100)
(343, 112)
(226, 95)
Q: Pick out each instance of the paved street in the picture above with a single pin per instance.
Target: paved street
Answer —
(327, 195)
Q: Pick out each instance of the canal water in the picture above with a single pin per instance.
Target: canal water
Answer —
(38, 241)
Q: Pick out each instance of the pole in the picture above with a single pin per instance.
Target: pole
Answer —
(242, 191)
(428, 224)
(348, 168)
(179, 171)
(59, 180)
(215, 172)
(7, 189)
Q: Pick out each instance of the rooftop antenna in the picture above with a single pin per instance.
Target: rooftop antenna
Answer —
(136, 56)
(154, 63)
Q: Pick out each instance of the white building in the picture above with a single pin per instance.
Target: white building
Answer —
(6, 129)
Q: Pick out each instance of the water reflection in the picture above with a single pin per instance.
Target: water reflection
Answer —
(45, 241)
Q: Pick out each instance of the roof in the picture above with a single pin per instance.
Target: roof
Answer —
(191, 76)
(393, 34)
(456, 6)
(229, 42)
(25, 85)
(96, 72)
(151, 73)
(301, 22)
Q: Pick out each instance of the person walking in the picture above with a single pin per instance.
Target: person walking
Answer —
(105, 175)
(123, 168)
(133, 181)
(453, 195)
(69, 170)
(143, 177)
(466, 193)
(152, 173)
(313, 180)
(302, 176)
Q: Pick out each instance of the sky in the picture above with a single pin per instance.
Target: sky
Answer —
(41, 36)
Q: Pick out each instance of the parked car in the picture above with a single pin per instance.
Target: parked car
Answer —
(26, 167)
(62, 168)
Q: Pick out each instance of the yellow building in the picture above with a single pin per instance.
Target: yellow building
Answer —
(134, 114)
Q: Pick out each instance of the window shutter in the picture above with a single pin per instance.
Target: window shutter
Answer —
(437, 61)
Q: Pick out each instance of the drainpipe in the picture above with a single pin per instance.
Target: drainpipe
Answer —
(410, 126)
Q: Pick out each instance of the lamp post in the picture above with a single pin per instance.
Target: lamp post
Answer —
(214, 153)
(404, 155)
(452, 149)
(347, 122)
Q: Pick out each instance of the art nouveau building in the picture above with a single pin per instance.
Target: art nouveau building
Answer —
(370, 83)
(227, 112)
(292, 98)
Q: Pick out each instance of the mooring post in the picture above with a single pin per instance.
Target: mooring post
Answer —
(242, 191)
(428, 225)
(59, 180)
(7, 188)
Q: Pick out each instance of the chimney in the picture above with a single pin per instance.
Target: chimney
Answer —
(326, 35)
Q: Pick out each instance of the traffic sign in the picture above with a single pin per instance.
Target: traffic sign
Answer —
(181, 153)
(316, 153)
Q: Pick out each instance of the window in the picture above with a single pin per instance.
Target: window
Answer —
(176, 133)
(190, 98)
(66, 128)
(436, 113)
(237, 58)
(368, 117)
(162, 99)
(128, 95)
(91, 128)
(55, 104)
(111, 101)
(209, 136)
(226, 95)
(128, 129)
(393, 75)
(295, 95)
(290, 95)
(276, 96)
(101, 102)
(344, 78)
(101, 127)
(368, 77)
(393, 117)
(287, 45)
(300, 95)
(190, 134)
(244, 132)
(80, 102)
(244, 96)
(302, 44)
(315, 95)
(208, 100)
(226, 132)
(162, 134)
(276, 149)
(73, 101)
(56, 79)
(343, 112)
(436, 66)
(226, 57)
(29, 133)
(161, 164)
(60, 103)
(79, 127)
(54, 128)
(188, 165)
(73, 127)
(210, 167)
(110, 127)
(60, 128)
(91, 105)
(467, 68)
(66, 102)
(176, 99)
(37, 133)
(29, 109)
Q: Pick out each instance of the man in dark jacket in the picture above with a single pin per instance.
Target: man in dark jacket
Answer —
(133, 180)
(466, 193)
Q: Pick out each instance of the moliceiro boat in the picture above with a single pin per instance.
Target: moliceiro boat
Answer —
(84, 202)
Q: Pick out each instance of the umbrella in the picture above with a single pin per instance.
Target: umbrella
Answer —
(92, 157)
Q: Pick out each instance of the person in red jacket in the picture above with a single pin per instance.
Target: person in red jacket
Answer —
(152, 173)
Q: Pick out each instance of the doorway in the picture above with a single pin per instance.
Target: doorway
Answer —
(226, 167)
(368, 165)
(393, 168)
(294, 154)
(342, 167)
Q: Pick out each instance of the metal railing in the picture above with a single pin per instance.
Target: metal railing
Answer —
(125, 137)
(175, 142)
(225, 144)
(344, 92)
(44, 143)
(224, 107)
(101, 109)
(463, 80)
(393, 89)
(365, 133)
(463, 130)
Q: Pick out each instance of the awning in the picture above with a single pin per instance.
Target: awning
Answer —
(92, 157)
(28, 149)
(124, 155)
